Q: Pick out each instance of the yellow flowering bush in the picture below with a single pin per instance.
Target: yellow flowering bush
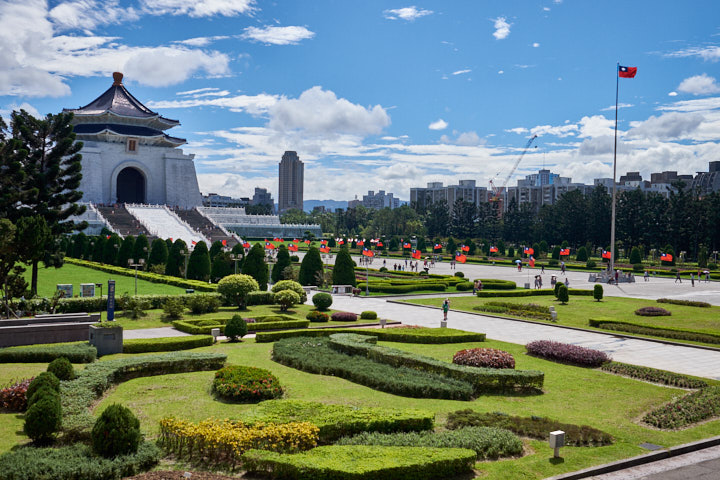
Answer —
(225, 440)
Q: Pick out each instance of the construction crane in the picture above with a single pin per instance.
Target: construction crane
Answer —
(498, 191)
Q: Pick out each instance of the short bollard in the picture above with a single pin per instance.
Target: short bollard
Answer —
(557, 440)
(383, 322)
(443, 324)
(215, 332)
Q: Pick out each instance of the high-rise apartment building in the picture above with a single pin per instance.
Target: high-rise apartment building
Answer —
(291, 177)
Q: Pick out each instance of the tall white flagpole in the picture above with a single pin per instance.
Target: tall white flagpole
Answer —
(614, 192)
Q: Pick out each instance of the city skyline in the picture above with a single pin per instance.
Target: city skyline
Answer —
(385, 96)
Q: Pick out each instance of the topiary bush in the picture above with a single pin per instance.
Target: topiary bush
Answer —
(562, 294)
(652, 312)
(368, 315)
(286, 299)
(62, 369)
(484, 357)
(315, 316)
(344, 317)
(459, 274)
(322, 301)
(43, 380)
(590, 264)
(292, 286)
(199, 304)
(234, 289)
(567, 353)
(464, 286)
(174, 308)
(44, 416)
(238, 383)
(116, 432)
(236, 328)
(598, 292)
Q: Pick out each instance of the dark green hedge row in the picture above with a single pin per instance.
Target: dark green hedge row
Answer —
(77, 395)
(192, 327)
(98, 304)
(532, 293)
(496, 284)
(654, 375)
(401, 335)
(663, 332)
(260, 298)
(483, 380)
(76, 352)
(75, 462)
(362, 462)
(382, 287)
(315, 356)
(150, 277)
(533, 427)
(687, 303)
(166, 344)
(336, 421)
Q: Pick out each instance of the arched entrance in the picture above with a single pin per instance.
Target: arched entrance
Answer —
(130, 186)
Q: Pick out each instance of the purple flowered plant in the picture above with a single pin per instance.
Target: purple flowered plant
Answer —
(344, 317)
(567, 353)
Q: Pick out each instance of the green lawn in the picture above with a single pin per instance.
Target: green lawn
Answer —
(572, 394)
(580, 308)
(48, 278)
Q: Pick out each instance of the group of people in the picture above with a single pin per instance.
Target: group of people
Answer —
(692, 276)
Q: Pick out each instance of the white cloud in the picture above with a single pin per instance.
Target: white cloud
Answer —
(535, 45)
(698, 105)
(464, 138)
(320, 112)
(88, 14)
(5, 112)
(668, 126)
(438, 124)
(710, 53)
(407, 13)
(699, 85)
(291, 35)
(163, 66)
(596, 126)
(558, 131)
(460, 72)
(201, 41)
(199, 8)
(252, 104)
(518, 130)
(672, 94)
(502, 28)
(500, 72)
(620, 105)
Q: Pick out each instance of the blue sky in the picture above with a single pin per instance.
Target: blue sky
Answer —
(385, 95)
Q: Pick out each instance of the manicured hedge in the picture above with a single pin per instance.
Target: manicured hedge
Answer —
(361, 462)
(262, 326)
(692, 408)
(487, 442)
(381, 287)
(484, 358)
(654, 375)
(99, 304)
(337, 421)
(166, 344)
(663, 332)
(239, 383)
(567, 353)
(315, 356)
(483, 380)
(497, 284)
(687, 303)
(192, 326)
(76, 352)
(260, 298)
(532, 293)
(150, 277)
(75, 462)
(533, 427)
(528, 310)
(77, 395)
(395, 334)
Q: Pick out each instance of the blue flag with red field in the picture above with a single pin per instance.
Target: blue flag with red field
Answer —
(626, 72)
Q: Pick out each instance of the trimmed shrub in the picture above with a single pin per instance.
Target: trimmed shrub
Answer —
(654, 375)
(344, 269)
(13, 398)
(236, 328)
(198, 267)
(75, 462)
(116, 432)
(567, 353)
(598, 292)
(292, 286)
(368, 315)
(256, 267)
(76, 352)
(533, 427)
(529, 310)
(322, 301)
(174, 308)
(43, 380)
(238, 383)
(652, 312)
(687, 303)
(692, 408)
(260, 298)
(533, 292)
(396, 334)
(459, 274)
(311, 268)
(562, 294)
(486, 442)
(590, 264)
(234, 289)
(166, 344)
(62, 369)
(199, 304)
(286, 299)
(44, 416)
(344, 317)
(315, 316)
(663, 332)
(363, 462)
(282, 262)
(582, 254)
(484, 357)
(464, 286)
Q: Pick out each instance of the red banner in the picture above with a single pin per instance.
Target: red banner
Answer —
(407, 245)
(465, 248)
(606, 254)
(325, 249)
(565, 251)
(437, 247)
(493, 249)
(367, 252)
(666, 257)
(416, 254)
(460, 258)
(293, 248)
(269, 246)
(528, 251)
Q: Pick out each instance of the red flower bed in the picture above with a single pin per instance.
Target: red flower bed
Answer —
(484, 357)
(246, 384)
(14, 397)
(344, 317)
(567, 353)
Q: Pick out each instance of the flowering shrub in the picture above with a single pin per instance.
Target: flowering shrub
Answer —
(652, 312)
(246, 384)
(567, 353)
(315, 316)
(344, 317)
(484, 357)
(654, 375)
(14, 397)
(224, 441)
(692, 408)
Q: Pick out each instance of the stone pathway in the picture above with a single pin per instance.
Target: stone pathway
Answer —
(701, 465)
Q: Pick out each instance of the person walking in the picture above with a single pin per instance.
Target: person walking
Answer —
(542, 268)
(445, 308)
(677, 277)
(692, 279)
(562, 268)
(647, 276)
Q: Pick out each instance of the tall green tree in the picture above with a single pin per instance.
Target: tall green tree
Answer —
(221, 266)
(12, 282)
(311, 269)
(199, 263)
(175, 264)
(255, 266)
(344, 270)
(141, 250)
(283, 261)
(215, 248)
(463, 220)
(78, 246)
(126, 251)
(158, 253)
(12, 174)
(110, 249)
(33, 234)
(98, 247)
(437, 219)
